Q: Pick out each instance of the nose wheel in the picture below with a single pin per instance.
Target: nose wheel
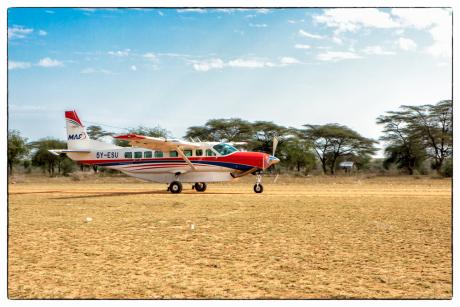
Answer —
(258, 187)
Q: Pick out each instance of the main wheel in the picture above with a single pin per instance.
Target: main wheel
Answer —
(175, 187)
(258, 188)
(200, 186)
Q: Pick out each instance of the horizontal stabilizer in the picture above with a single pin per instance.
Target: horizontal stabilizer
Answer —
(57, 152)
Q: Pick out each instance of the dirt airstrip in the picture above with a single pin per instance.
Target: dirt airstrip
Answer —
(345, 237)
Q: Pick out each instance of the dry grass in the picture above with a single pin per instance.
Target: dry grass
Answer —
(303, 238)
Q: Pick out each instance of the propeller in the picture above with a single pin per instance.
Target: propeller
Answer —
(275, 144)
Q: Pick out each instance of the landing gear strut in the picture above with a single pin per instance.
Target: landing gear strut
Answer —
(175, 187)
(258, 187)
(200, 186)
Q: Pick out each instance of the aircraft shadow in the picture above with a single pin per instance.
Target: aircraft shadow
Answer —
(146, 193)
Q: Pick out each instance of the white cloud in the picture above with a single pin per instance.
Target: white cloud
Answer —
(42, 33)
(378, 50)
(120, 53)
(258, 25)
(19, 32)
(301, 46)
(133, 68)
(296, 21)
(335, 56)
(18, 65)
(201, 11)
(437, 21)
(263, 11)
(209, 64)
(48, 62)
(407, 44)
(289, 61)
(309, 35)
(420, 18)
(91, 70)
(249, 63)
(351, 19)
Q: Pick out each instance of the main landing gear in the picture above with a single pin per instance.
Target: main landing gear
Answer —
(200, 186)
(258, 187)
(175, 187)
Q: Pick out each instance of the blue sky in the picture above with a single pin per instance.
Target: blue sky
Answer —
(178, 68)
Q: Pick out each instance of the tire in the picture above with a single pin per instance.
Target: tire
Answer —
(258, 188)
(175, 187)
(200, 186)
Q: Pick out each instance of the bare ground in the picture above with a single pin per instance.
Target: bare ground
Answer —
(302, 238)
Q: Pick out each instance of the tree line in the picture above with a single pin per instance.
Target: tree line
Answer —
(413, 136)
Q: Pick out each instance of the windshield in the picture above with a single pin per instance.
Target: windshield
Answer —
(224, 149)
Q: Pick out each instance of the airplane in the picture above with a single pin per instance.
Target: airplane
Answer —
(162, 160)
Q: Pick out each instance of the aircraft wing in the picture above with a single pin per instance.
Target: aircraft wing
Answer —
(156, 143)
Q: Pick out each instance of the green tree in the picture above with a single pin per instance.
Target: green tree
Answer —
(263, 133)
(297, 155)
(17, 148)
(147, 131)
(332, 141)
(96, 132)
(221, 130)
(433, 125)
(44, 159)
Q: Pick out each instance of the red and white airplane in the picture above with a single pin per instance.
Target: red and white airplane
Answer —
(170, 161)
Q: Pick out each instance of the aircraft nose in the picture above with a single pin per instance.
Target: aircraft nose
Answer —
(273, 160)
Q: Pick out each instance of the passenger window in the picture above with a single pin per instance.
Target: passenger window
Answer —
(128, 155)
(147, 154)
(158, 154)
(210, 153)
(173, 153)
(199, 152)
(188, 153)
(138, 155)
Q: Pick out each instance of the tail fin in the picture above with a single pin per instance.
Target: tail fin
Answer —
(76, 132)
(78, 138)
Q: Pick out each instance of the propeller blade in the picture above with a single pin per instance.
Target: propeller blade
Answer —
(275, 144)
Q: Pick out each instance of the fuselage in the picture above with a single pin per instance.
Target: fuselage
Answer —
(212, 163)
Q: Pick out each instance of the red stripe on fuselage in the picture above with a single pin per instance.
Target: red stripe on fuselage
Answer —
(253, 159)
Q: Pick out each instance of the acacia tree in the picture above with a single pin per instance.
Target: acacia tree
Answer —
(96, 132)
(297, 154)
(47, 161)
(17, 148)
(221, 130)
(433, 125)
(332, 141)
(264, 133)
(404, 146)
(156, 131)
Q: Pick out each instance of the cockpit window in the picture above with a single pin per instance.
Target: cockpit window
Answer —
(224, 149)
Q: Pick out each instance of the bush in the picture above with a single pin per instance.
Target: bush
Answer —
(447, 169)
(67, 167)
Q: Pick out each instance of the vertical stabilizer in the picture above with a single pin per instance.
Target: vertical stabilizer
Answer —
(78, 139)
(76, 133)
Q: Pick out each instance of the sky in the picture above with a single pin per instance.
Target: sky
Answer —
(178, 68)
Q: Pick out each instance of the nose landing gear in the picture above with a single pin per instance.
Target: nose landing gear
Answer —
(258, 187)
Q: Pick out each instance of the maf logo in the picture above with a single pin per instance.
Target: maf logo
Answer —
(77, 136)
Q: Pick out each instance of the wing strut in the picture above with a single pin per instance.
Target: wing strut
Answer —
(181, 153)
